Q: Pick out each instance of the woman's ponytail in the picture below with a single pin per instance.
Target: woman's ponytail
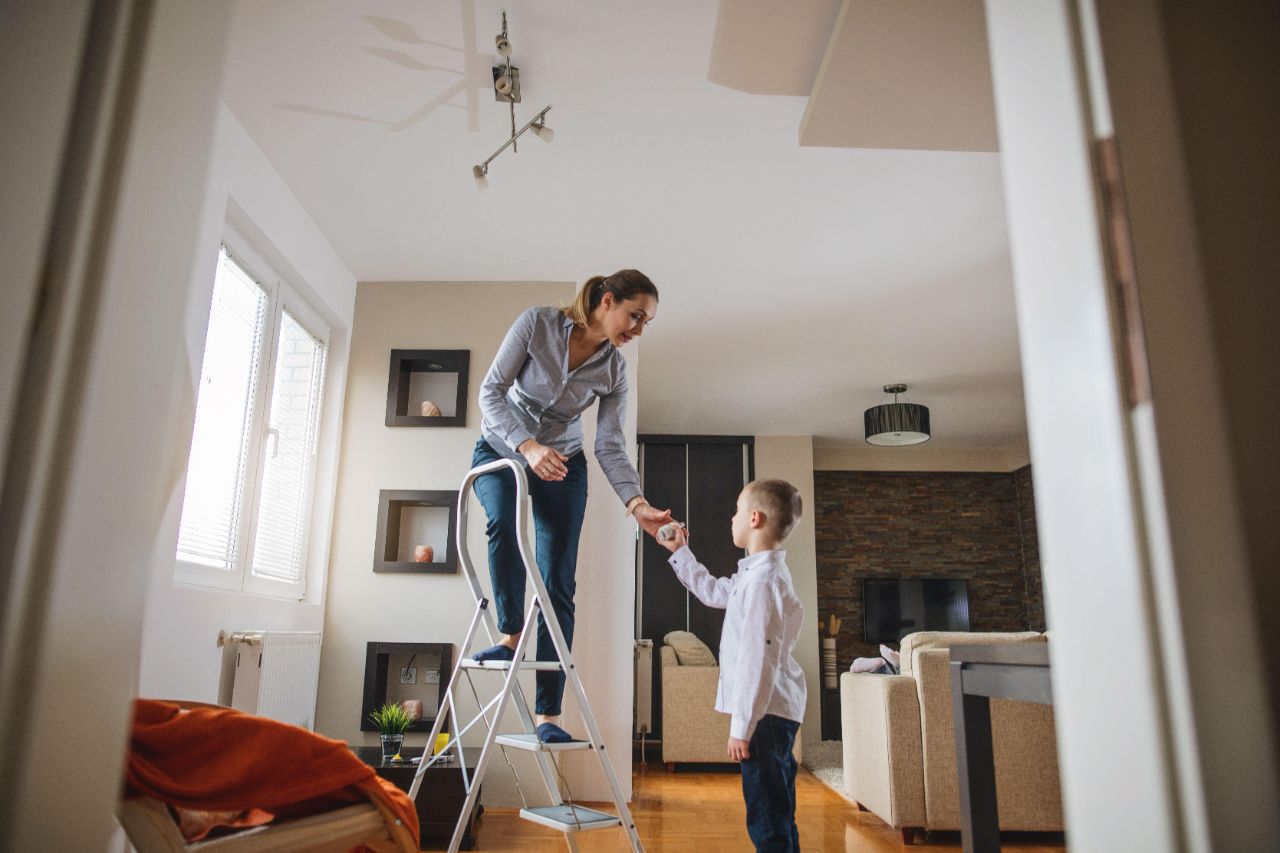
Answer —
(624, 285)
(580, 310)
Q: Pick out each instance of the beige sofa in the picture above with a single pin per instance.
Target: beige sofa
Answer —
(692, 729)
(899, 743)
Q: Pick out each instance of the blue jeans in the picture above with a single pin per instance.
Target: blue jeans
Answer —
(558, 508)
(769, 786)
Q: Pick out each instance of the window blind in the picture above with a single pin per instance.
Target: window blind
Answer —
(284, 507)
(220, 442)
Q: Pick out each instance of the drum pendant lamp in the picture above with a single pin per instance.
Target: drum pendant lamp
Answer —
(896, 424)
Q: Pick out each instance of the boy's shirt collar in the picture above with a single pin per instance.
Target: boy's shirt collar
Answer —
(762, 558)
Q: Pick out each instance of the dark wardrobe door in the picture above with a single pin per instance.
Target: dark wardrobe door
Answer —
(698, 478)
(661, 595)
(715, 479)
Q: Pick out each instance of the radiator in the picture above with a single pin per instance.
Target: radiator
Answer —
(272, 674)
(643, 710)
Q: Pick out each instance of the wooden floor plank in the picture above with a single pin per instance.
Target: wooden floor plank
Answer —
(703, 812)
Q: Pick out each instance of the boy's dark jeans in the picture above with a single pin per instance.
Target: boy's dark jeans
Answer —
(769, 786)
(558, 509)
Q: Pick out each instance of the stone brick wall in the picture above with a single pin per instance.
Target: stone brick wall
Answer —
(1030, 548)
(976, 526)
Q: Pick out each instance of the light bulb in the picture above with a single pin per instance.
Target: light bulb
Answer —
(503, 85)
(543, 132)
(502, 44)
(482, 182)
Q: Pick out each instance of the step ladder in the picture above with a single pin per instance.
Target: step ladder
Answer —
(561, 815)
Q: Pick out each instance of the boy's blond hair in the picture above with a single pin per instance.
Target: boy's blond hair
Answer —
(780, 503)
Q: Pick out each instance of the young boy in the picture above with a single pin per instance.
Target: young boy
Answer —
(761, 685)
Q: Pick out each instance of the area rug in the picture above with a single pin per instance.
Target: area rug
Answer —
(825, 760)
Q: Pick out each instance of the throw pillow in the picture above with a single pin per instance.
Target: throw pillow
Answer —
(690, 651)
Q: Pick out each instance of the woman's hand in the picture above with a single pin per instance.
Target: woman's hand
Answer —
(544, 461)
(649, 518)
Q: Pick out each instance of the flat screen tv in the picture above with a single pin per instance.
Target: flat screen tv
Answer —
(894, 607)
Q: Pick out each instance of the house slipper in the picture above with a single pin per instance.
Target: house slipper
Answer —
(495, 653)
(551, 733)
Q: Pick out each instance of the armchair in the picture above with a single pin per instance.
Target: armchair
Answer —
(899, 743)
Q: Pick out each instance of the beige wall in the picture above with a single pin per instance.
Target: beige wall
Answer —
(920, 458)
(1226, 72)
(363, 606)
(790, 457)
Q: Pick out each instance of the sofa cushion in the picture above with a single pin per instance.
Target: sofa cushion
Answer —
(921, 640)
(690, 651)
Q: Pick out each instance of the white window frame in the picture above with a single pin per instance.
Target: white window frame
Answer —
(281, 297)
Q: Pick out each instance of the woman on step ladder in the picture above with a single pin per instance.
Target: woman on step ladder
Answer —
(552, 365)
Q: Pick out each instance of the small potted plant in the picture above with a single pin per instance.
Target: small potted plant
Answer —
(392, 721)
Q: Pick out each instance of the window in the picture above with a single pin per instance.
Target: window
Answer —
(247, 509)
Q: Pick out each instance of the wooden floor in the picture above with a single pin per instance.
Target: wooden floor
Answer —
(703, 812)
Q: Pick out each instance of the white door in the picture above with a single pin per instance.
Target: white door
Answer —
(108, 119)
(1162, 747)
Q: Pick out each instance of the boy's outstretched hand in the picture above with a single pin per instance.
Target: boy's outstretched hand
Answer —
(738, 749)
(679, 538)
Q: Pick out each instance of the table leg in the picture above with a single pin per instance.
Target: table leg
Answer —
(979, 819)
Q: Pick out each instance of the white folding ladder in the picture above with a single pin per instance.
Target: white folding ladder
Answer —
(566, 817)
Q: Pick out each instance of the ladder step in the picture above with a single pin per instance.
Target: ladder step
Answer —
(562, 818)
(532, 744)
(504, 665)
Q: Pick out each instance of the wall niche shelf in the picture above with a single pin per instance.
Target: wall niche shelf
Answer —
(395, 672)
(418, 376)
(408, 519)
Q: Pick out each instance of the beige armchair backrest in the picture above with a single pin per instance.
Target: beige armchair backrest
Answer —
(692, 729)
(1026, 754)
(922, 640)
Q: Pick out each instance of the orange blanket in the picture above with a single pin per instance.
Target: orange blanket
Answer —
(222, 760)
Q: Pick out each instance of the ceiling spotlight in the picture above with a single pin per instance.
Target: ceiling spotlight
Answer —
(480, 173)
(500, 41)
(543, 132)
(506, 84)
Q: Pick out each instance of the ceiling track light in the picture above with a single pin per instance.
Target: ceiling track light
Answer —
(537, 124)
(506, 88)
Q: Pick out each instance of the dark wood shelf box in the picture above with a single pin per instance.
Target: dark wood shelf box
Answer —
(390, 676)
(441, 798)
(438, 375)
(408, 518)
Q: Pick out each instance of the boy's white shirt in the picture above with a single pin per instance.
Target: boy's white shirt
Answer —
(763, 614)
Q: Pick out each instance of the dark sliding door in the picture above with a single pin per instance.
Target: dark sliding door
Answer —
(699, 478)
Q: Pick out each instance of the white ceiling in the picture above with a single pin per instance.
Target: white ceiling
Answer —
(904, 74)
(795, 281)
